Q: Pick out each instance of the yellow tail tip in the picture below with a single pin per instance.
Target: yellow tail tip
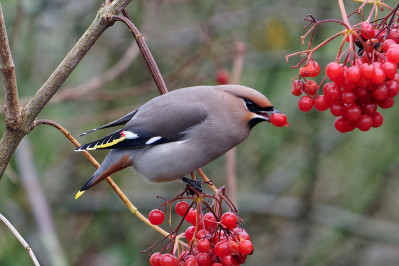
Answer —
(79, 194)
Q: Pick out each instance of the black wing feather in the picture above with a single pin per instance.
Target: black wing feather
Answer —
(117, 141)
(121, 121)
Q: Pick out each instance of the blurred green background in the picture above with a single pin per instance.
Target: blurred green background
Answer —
(308, 194)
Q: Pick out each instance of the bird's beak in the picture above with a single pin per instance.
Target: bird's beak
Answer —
(265, 113)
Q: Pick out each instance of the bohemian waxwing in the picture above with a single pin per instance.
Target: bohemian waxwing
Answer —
(176, 133)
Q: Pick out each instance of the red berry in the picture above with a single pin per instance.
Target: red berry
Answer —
(367, 31)
(377, 119)
(181, 208)
(387, 103)
(229, 220)
(334, 71)
(222, 77)
(362, 93)
(169, 260)
(209, 220)
(337, 109)
(204, 259)
(393, 54)
(189, 233)
(393, 88)
(202, 233)
(369, 108)
(380, 93)
(332, 92)
(343, 125)
(297, 87)
(155, 259)
(203, 245)
(379, 76)
(363, 82)
(156, 217)
(387, 43)
(191, 262)
(311, 69)
(305, 103)
(321, 103)
(191, 216)
(348, 97)
(242, 234)
(349, 86)
(278, 120)
(227, 261)
(394, 35)
(234, 248)
(364, 123)
(389, 69)
(310, 87)
(217, 264)
(222, 249)
(353, 112)
(246, 247)
(367, 71)
(353, 74)
(238, 259)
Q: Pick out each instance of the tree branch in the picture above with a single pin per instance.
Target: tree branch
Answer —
(62, 72)
(145, 51)
(20, 238)
(13, 136)
(13, 110)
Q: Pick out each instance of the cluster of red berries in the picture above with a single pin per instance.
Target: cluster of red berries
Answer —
(358, 87)
(212, 240)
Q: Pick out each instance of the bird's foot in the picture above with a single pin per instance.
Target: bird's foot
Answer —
(192, 184)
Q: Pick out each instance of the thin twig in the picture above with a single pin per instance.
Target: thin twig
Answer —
(13, 110)
(114, 186)
(20, 238)
(145, 51)
(206, 179)
(12, 137)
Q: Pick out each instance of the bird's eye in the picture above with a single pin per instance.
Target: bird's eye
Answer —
(249, 104)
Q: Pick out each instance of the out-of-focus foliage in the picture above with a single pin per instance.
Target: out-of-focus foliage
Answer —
(308, 194)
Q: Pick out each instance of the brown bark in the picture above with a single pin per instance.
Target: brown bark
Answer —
(13, 110)
(17, 129)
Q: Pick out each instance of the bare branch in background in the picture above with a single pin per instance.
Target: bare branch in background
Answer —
(95, 83)
(12, 138)
(231, 177)
(21, 239)
(40, 208)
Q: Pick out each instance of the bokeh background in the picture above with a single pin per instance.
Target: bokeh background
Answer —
(308, 194)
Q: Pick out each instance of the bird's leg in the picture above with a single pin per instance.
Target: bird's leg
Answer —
(195, 184)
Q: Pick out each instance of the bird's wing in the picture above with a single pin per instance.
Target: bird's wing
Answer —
(121, 121)
(122, 139)
(153, 127)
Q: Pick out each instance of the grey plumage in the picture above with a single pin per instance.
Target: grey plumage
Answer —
(179, 132)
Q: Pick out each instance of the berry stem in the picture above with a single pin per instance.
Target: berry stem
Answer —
(207, 181)
(346, 22)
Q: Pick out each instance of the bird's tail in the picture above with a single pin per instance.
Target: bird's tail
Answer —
(107, 168)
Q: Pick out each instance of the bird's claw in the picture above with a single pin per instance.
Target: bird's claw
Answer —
(192, 184)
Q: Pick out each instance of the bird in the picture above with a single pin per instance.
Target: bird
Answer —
(178, 132)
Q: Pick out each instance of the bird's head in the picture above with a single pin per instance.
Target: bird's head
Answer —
(256, 106)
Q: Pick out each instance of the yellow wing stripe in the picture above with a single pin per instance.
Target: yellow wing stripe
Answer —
(108, 144)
